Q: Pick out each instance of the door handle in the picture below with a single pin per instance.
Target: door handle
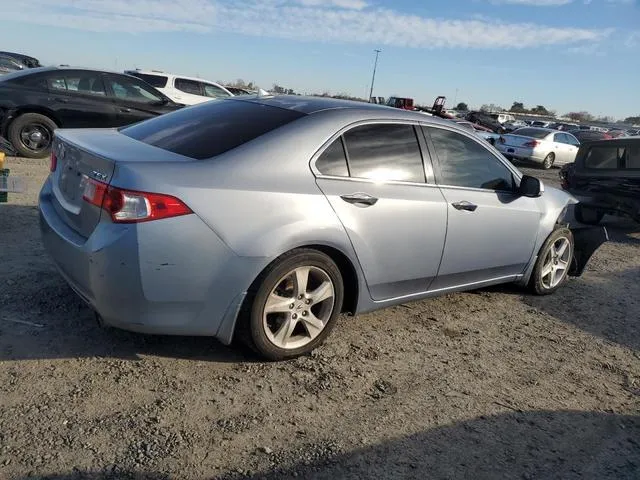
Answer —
(125, 110)
(464, 205)
(359, 198)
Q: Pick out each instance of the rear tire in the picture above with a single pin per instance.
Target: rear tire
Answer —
(292, 306)
(587, 215)
(553, 263)
(31, 134)
(547, 163)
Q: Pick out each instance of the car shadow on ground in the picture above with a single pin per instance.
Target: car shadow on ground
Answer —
(523, 445)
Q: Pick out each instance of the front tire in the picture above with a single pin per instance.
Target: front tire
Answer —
(547, 163)
(31, 134)
(554, 261)
(292, 306)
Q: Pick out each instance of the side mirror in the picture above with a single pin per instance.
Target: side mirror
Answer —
(530, 187)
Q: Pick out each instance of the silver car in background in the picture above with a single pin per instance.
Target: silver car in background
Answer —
(543, 146)
(266, 217)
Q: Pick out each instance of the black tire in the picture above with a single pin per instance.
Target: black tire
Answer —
(38, 123)
(587, 215)
(251, 327)
(537, 283)
(547, 163)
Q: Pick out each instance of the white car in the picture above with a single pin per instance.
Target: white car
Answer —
(541, 145)
(181, 89)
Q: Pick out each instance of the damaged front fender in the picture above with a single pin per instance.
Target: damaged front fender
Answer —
(586, 241)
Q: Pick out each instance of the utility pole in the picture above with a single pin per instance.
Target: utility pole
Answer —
(373, 78)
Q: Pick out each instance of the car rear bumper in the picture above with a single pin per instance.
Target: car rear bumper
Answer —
(520, 153)
(171, 276)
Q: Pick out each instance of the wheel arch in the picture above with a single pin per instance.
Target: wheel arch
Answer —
(35, 109)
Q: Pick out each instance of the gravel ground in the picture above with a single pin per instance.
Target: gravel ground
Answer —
(489, 384)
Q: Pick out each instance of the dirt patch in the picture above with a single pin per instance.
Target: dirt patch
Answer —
(486, 384)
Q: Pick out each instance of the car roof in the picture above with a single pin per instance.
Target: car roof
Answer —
(310, 105)
(167, 74)
(613, 141)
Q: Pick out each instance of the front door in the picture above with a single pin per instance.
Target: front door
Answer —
(134, 100)
(395, 220)
(491, 230)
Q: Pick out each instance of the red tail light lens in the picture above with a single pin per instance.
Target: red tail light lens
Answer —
(127, 206)
(53, 163)
(531, 144)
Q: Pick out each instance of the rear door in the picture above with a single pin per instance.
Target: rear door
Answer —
(396, 218)
(134, 99)
(491, 230)
(79, 99)
(189, 91)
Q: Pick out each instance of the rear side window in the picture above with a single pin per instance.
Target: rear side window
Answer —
(158, 81)
(211, 128)
(604, 157)
(333, 160)
(87, 83)
(384, 152)
(188, 86)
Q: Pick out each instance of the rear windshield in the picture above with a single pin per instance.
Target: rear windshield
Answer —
(531, 132)
(211, 128)
(605, 157)
(158, 81)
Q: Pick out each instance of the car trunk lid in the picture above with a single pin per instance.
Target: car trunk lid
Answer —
(89, 155)
(519, 140)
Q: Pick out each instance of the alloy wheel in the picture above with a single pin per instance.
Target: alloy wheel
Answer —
(556, 263)
(299, 307)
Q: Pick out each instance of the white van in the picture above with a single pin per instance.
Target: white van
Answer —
(503, 117)
(181, 89)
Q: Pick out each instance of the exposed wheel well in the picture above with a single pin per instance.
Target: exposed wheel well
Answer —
(349, 276)
(34, 109)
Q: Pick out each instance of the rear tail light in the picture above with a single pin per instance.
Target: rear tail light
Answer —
(53, 163)
(531, 144)
(127, 206)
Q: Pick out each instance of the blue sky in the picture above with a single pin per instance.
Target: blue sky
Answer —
(567, 55)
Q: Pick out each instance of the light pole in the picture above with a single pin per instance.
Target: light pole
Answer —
(373, 78)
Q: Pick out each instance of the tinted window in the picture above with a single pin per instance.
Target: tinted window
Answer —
(87, 83)
(571, 140)
(210, 128)
(532, 132)
(188, 86)
(158, 81)
(333, 160)
(213, 91)
(127, 88)
(384, 152)
(604, 157)
(465, 163)
(633, 157)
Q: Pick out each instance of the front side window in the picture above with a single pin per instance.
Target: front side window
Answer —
(571, 140)
(333, 161)
(129, 89)
(384, 152)
(604, 157)
(465, 163)
(188, 86)
(213, 91)
(86, 83)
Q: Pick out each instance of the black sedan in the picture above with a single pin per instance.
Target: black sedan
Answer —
(34, 102)
(589, 135)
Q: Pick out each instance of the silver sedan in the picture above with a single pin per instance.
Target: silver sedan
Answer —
(544, 146)
(265, 217)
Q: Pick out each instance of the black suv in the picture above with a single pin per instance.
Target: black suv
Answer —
(605, 178)
(34, 102)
